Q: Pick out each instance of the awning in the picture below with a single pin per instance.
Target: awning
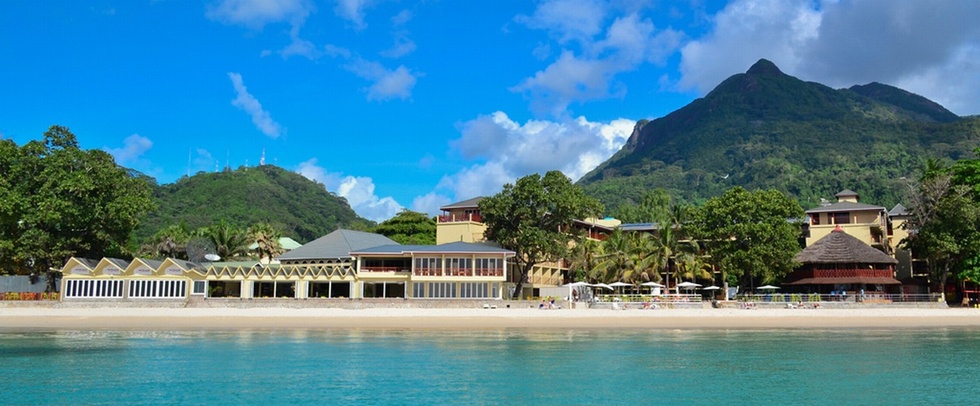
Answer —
(846, 281)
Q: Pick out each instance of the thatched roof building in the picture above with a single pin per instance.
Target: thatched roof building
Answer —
(842, 259)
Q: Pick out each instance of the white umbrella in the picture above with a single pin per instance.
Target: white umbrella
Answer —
(620, 285)
(603, 285)
(688, 285)
(652, 284)
(711, 288)
(577, 284)
(767, 287)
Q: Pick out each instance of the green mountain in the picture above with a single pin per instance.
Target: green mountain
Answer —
(766, 129)
(303, 209)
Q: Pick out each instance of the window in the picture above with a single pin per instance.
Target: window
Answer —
(199, 287)
(459, 266)
(157, 289)
(842, 218)
(473, 290)
(93, 288)
(489, 267)
(441, 290)
(428, 267)
(815, 219)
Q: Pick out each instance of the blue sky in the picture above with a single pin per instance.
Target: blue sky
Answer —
(416, 104)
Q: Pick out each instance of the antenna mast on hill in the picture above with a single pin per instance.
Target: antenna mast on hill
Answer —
(188, 162)
(262, 161)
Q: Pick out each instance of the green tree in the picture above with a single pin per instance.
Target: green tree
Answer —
(534, 218)
(409, 227)
(229, 242)
(169, 242)
(583, 260)
(944, 219)
(751, 236)
(60, 201)
(266, 237)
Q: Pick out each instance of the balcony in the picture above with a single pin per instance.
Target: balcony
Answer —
(459, 218)
(383, 269)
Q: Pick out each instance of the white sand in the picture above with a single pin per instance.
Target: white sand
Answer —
(116, 318)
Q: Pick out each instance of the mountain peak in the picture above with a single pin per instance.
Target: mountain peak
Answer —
(764, 67)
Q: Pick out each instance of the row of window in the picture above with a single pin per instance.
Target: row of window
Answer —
(144, 289)
(451, 290)
(457, 264)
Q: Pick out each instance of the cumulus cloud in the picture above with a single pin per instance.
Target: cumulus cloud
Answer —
(358, 190)
(386, 84)
(506, 150)
(592, 54)
(916, 45)
(430, 203)
(134, 146)
(403, 46)
(249, 104)
(256, 14)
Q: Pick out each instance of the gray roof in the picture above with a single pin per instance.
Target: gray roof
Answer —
(639, 226)
(898, 211)
(839, 247)
(337, 244)
(465, 204)
(119, 263)
(846, 192)
(844, 206)
(449, 248)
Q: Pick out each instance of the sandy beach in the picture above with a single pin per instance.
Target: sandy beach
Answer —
(107, 318)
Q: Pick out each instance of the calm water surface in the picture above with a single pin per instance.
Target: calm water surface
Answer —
(582, 367)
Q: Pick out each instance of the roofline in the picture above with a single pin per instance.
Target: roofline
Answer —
(360, 253)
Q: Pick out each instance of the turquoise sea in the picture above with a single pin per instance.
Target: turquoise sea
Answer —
(546, 367)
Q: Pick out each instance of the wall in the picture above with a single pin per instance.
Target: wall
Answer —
(21, 283)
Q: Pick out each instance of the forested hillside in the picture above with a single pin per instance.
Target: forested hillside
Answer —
(302, 209)
(766, 129)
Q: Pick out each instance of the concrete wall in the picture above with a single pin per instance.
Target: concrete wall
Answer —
(21, 283)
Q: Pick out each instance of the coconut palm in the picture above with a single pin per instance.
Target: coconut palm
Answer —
(266, 240)
(584, 258)
(691, 264)
(229, 241)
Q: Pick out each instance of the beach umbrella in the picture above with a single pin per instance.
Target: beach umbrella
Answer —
(767, 287)
(653, 285)
(620, 285)
(687, 286)
(577, 284)
(603, 285)
(711, 288)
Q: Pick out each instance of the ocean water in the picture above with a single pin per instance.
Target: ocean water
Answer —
(519, 366)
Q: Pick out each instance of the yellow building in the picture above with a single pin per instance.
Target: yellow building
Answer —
(460, 222)
(868, 223)
(342, 264)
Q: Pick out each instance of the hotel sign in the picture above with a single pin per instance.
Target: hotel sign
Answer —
(111, 271)
(143, 271)
(173, 271)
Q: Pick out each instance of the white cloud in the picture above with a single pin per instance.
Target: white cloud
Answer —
(203, 161)
(359, 191)
(744, 32)
(256, 14)
(353, 11)
(386, 84)
(430, 203)
(592, 54)
(403, 46)
(249, 104)
(568, 20)
(925, 48)
(507, 150)
(134, 146)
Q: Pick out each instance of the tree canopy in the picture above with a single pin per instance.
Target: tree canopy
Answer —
(59, 201)
(750, 235)
(534, 218)
(409, 227)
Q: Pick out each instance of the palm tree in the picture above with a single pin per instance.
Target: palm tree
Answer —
(267, 241)
(584, 259)
(691, 264)
(229, 242)
(169, 242)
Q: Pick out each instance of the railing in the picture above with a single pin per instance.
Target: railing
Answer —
(649, 298)
(847, 273)
(460, 272)
(383, 269)
(453, 218)
(855, 297)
